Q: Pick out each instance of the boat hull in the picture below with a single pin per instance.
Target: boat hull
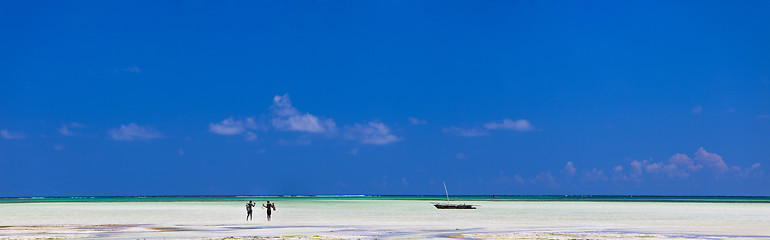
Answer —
(453, 206)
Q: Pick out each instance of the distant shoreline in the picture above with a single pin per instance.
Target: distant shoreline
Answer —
(468, 198)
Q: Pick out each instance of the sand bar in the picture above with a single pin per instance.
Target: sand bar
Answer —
(313, 218)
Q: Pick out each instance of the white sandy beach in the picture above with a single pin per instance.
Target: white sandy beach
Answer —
(368, 219)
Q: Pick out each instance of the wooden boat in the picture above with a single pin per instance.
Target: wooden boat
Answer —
(448, 205)
(453, 206)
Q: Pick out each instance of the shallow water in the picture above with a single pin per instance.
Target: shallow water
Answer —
(371, 217)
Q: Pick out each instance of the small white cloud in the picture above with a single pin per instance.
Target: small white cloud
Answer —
(569, 169)
(299, 141)
(12, 135)
(132, 132)
(282, 106)
(304, 123)
(465, 132)
(417, 121)
(545, 178)
(519, 179)
(58, 147)
(230, 126)
(515, 179)
(66, 129)
(371, 133)
(508, 124)
(250, 136)
(595, 175)
(288, 118)
(460, 156)
(353, 151)
(697, 109)
(132, 69)
(618, 174)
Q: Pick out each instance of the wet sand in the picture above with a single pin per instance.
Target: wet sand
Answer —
(386, 219)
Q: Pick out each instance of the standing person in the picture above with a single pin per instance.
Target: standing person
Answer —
(269, 206)
(248, 210)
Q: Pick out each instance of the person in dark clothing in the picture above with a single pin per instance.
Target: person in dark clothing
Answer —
(248, 210)
(270, 207)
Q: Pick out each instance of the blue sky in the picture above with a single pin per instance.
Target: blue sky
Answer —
(384, 97)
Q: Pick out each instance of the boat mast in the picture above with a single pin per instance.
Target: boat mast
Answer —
(447, 193)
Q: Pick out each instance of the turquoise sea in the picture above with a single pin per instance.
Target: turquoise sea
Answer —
(459, 198)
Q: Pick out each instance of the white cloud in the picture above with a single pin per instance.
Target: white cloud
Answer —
(508, 124)
(755, 166)
(353, 151)
(697, 109)
(570, 169)
(465, 132)
(747, 172)
(519, 179)
(515, 179)
(132, 69)
(712, 160)
(371, 133)
(58, 147)
(682, 166)
(132, 132)
(545, 178)
(417, 121)
(595, 175)
(12, 135)
(230, 126)
(671, 169)
(679, 166)
(250, 136)
(284, 116)
(288, 118)
(304, 123)
(66, 129)
(685, 161)
(282, 106)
